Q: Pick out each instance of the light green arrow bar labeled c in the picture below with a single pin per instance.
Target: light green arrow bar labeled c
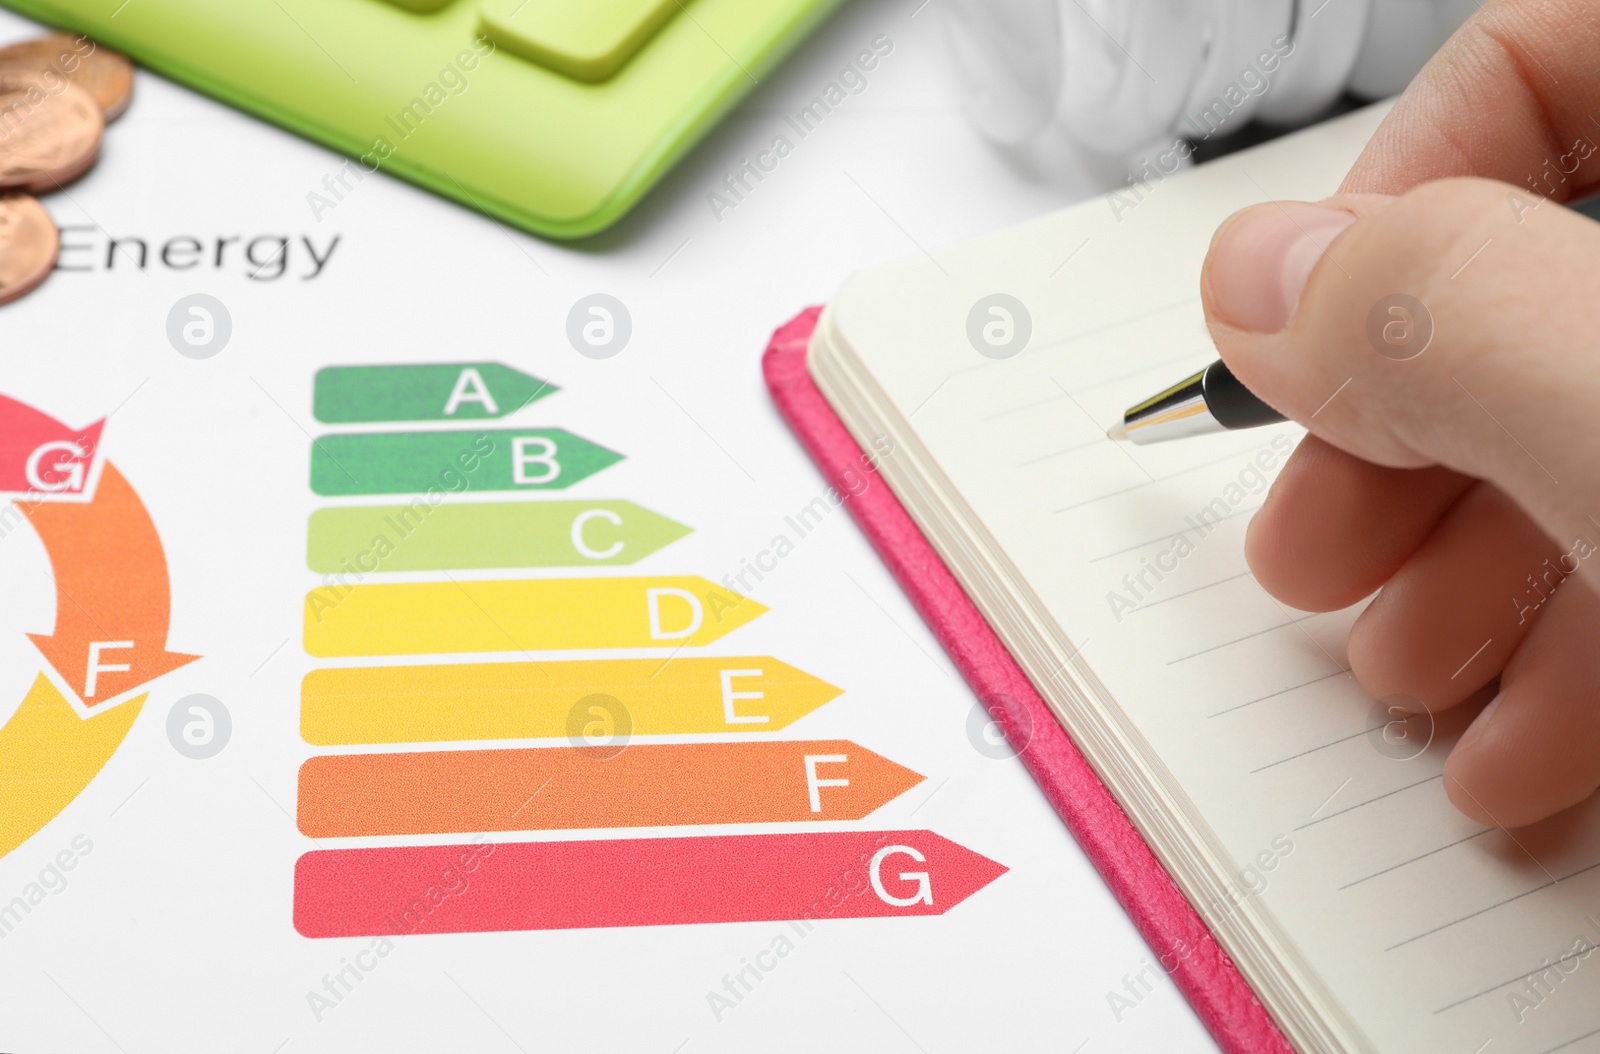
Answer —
(463, 536)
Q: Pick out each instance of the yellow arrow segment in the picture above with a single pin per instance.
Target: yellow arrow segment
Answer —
(518, 700)
(48, 754)
(539, 614)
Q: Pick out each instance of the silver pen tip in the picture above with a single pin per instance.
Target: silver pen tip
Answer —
(1118, 431)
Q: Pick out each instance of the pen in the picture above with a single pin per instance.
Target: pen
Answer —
(1214, 400)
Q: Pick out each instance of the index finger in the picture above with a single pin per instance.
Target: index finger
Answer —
(1508, 97)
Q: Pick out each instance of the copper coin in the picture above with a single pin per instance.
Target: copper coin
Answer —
(105, 74)
(29, 245)
(49, 132)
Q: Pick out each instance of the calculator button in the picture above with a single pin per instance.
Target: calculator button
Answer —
(587, 40)
(422, 7)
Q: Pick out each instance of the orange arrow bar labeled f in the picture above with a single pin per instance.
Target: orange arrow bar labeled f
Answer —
(562, 788)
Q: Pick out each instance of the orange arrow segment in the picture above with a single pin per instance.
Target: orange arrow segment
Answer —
(562, 788)
(112, 606)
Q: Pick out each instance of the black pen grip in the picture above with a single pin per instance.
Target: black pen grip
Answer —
(1231, 403)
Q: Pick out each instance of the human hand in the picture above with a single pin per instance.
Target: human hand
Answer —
(1460, 473)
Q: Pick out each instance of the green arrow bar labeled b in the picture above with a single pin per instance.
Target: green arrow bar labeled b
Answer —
(462, 536)
(460, 391)
(453, 462)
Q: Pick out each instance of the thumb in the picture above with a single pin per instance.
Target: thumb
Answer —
(1455, 325)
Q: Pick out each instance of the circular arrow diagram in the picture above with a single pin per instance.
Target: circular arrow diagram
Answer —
(112, 613)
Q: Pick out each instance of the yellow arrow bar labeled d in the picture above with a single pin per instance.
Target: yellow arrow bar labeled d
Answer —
(518, 700)
(539, 614)
(48, 754)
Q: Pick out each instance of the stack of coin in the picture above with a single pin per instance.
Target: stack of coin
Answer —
(57, 93)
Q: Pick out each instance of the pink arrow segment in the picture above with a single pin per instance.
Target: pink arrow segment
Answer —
(41, 456)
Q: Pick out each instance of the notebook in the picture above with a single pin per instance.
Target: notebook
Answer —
(1317, 845)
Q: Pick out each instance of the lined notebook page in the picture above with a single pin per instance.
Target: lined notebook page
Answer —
(1227, 723)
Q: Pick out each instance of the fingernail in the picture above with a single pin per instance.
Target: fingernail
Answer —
(1480, 724)
(1261, 258)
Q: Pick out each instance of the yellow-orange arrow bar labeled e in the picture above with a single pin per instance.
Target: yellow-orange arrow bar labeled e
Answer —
(520, 700)
(537, 614)
(48, 754)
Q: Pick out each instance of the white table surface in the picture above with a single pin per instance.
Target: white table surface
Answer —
(174, 936)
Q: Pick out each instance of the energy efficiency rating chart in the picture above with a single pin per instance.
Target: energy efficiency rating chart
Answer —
(112, 610)
(534, 744)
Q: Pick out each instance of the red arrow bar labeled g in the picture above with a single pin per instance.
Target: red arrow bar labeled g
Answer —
(633, 882)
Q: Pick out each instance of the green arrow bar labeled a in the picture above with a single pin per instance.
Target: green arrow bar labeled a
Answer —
(453, 462)
(446, 391)
(462, 536)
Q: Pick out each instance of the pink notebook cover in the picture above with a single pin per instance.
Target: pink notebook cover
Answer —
(1182, 943)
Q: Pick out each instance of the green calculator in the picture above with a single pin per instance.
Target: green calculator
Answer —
(554, 115)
